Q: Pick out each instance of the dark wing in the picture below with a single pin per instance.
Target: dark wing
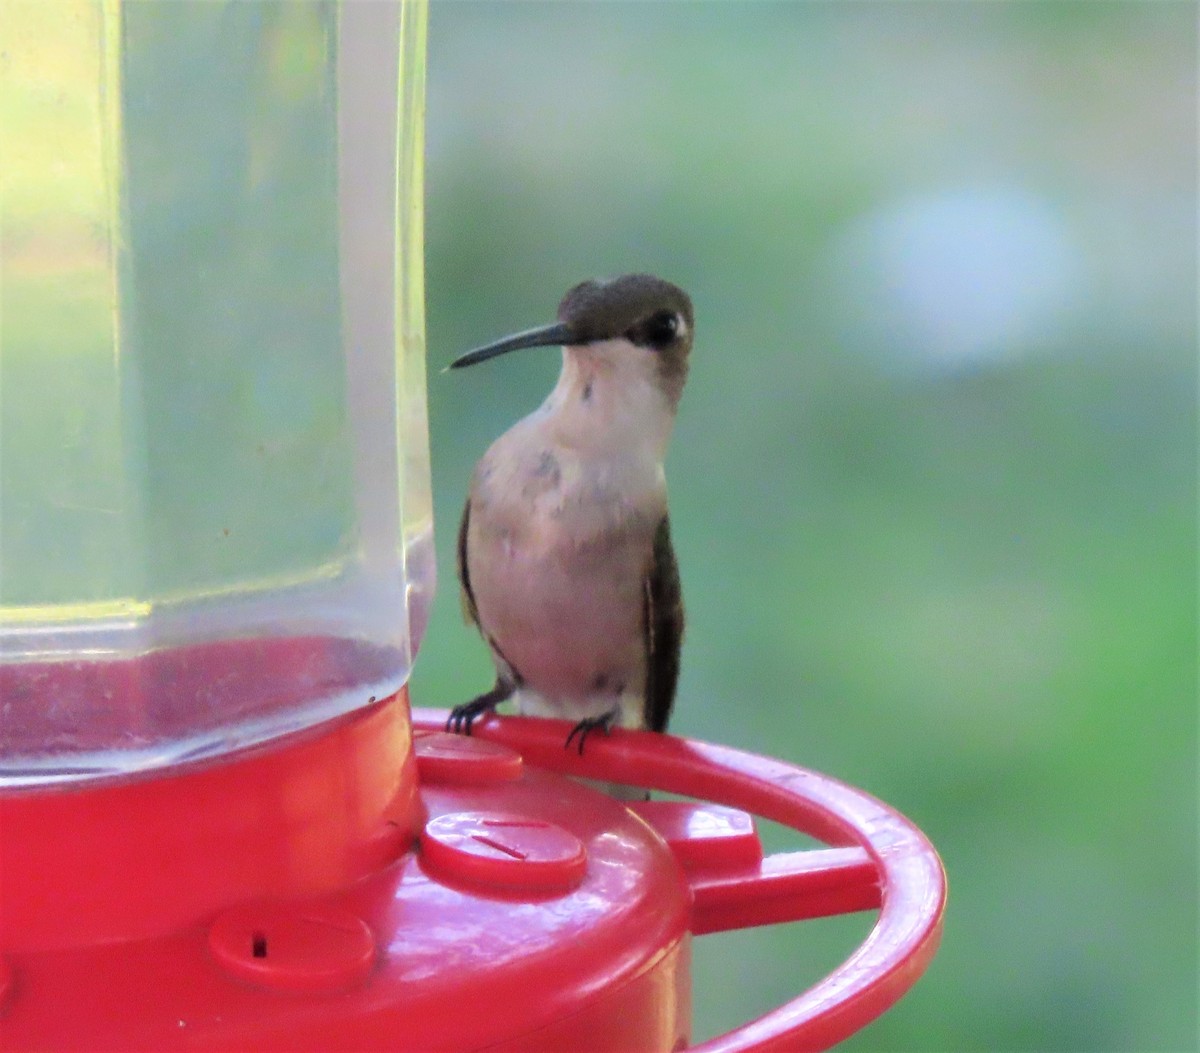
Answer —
(508, 677)
(662, 626)
(470, 611)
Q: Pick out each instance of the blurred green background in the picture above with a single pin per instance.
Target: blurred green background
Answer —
(934, 477)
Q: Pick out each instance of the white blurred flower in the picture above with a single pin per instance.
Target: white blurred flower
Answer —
(956, 277)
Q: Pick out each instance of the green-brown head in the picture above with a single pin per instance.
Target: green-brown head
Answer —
(635, 314)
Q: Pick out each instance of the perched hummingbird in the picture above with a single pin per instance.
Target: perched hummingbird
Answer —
(564, 551)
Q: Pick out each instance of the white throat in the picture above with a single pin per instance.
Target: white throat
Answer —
(609, 397)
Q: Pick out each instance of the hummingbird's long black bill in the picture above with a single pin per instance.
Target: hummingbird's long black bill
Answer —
(543, 336)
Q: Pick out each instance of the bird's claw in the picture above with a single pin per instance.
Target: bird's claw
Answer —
(462, 718)
(589, 724)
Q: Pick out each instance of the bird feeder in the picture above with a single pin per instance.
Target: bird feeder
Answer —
(221, 825)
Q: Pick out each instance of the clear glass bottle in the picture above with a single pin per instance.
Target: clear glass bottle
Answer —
(215, 515)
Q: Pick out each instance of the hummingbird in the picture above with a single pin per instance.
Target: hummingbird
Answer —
(564, 548)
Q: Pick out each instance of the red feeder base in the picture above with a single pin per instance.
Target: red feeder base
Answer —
(279, 900)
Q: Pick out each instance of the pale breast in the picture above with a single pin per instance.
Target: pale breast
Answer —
(558, 547)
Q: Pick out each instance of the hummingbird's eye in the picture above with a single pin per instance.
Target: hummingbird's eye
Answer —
(660, 329)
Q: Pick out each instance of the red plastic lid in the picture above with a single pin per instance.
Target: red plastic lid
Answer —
(305, 949)
(458, 760)
(503, 849)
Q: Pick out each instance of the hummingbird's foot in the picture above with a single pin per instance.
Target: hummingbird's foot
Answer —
(589, 724)
(462, 718)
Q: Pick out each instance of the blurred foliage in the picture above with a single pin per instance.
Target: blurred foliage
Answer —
(934, 477)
